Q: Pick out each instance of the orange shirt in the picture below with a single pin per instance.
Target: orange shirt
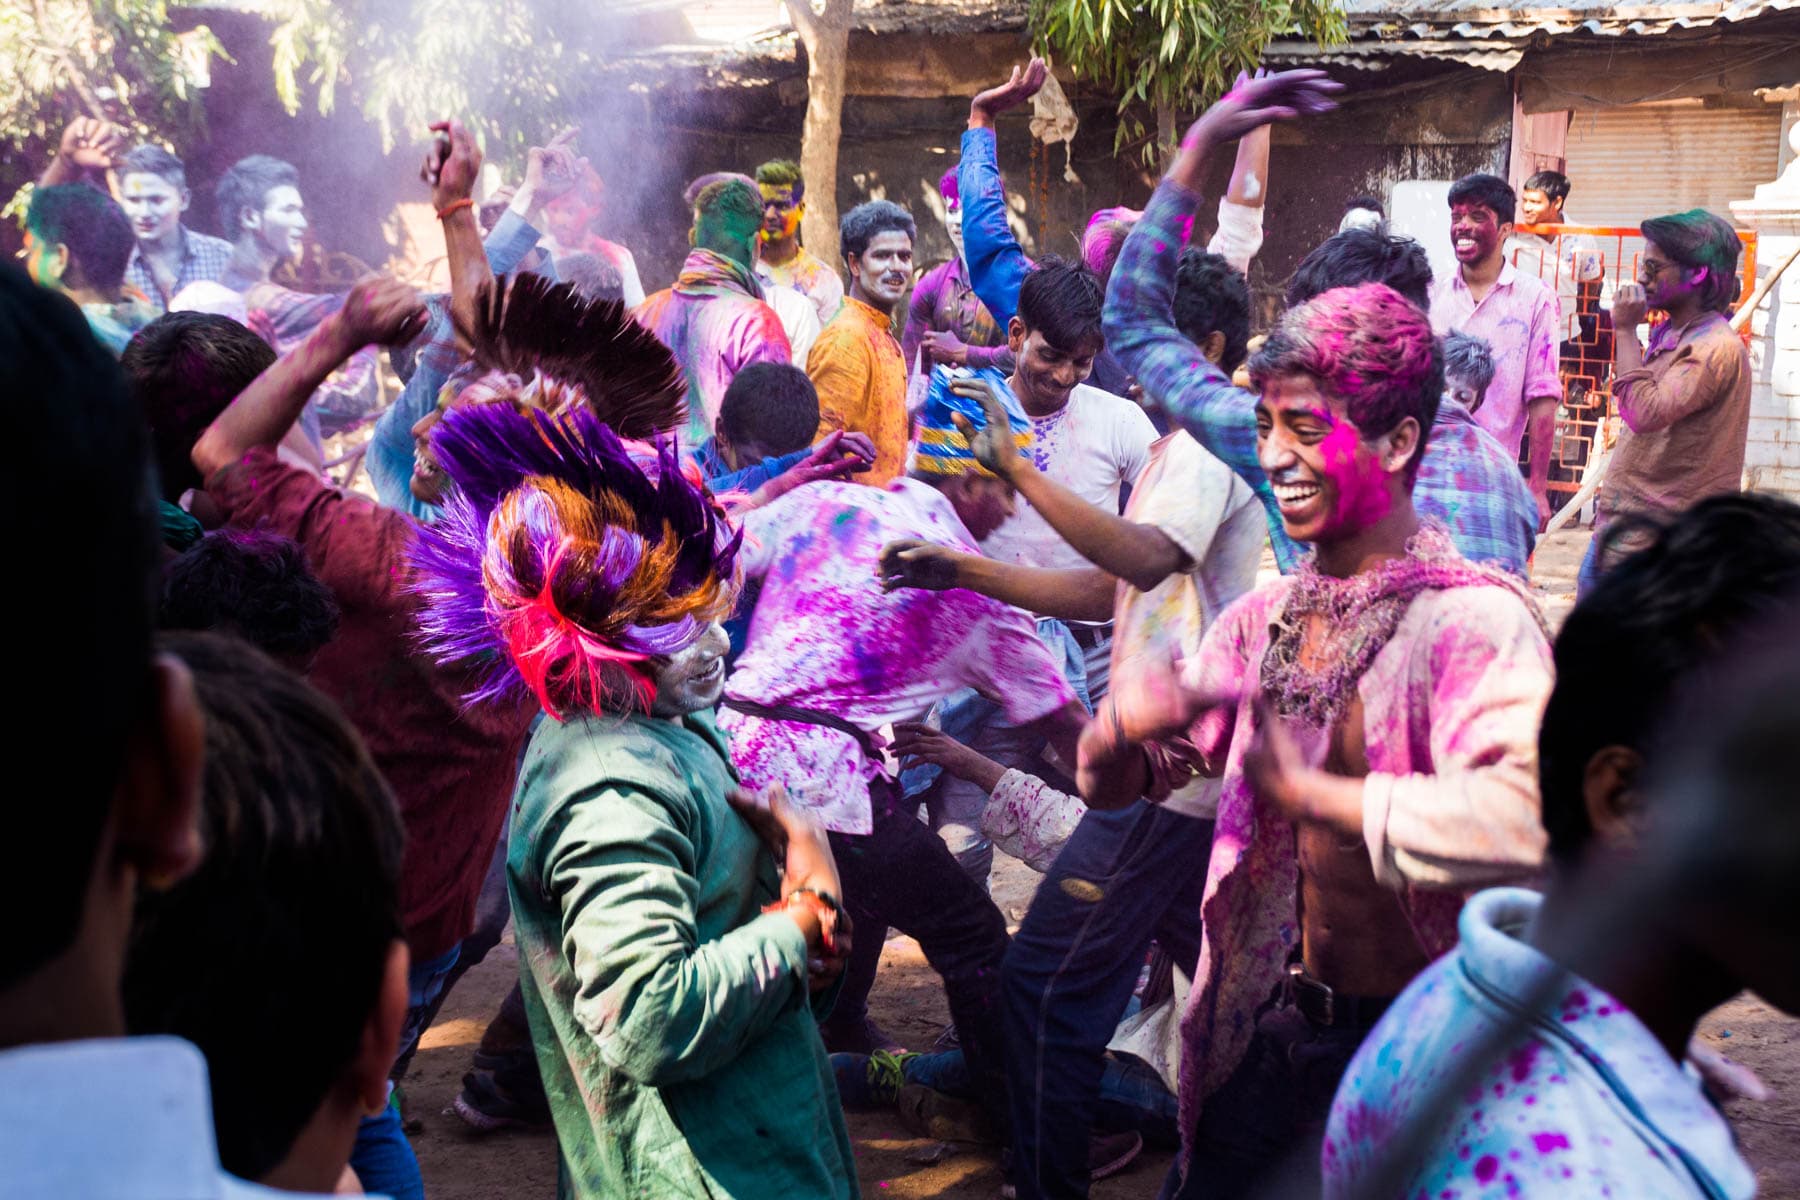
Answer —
(861, 376)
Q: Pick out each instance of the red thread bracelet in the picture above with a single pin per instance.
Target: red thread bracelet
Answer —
(455, 206)
(823, 907)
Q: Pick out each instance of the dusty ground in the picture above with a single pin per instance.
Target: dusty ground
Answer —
(909, 1003)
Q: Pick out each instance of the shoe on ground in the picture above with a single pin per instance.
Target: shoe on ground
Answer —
(857, 1037)
(486, 1107)
(1110, 1153)
(927, 1113)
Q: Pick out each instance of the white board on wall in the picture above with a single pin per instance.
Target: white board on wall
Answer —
(1420, 209)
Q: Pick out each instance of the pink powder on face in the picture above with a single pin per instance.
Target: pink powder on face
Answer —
(1360, 484)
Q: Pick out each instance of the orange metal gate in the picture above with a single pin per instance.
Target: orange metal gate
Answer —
(1583, 264)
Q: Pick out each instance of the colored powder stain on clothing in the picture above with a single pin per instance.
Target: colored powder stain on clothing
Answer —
(1486, 1168)
(1549, 1142)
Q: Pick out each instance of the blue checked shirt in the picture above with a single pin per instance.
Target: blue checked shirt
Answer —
(1466, 481)
(203, 257)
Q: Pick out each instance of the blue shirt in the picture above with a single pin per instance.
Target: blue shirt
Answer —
(721, 478)
(997, 264)
(389, 457)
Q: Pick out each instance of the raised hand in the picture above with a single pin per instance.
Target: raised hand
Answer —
(910, 563)
(1022, 86)
(1263, 99)
(383, 310)
(1629, 307)
(452, 165)
(946, 347)
(993, 444)
(92, 144)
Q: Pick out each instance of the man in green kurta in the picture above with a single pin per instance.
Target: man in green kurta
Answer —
(670, 967)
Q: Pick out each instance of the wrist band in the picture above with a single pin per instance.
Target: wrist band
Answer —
(823, 905)
(455, 206)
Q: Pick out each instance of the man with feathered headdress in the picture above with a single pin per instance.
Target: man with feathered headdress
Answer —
(670, 965)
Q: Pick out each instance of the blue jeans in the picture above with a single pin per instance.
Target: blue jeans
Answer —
(382, 1157)
(1124, 877)
(1589, 574)
(1132, 1096)
(955, 805)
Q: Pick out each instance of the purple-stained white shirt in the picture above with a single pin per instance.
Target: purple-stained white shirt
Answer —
(1519, 318)
(825, 637)
(1581, 1102)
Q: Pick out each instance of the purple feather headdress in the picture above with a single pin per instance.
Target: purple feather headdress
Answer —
(567, 558)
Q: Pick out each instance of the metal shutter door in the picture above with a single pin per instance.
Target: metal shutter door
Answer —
(1644, 160)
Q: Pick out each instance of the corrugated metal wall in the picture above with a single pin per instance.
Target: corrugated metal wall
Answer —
(1643, 160)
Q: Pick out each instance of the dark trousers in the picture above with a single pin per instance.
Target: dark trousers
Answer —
(1260, 1133)
(1124, 878)
(901, 874)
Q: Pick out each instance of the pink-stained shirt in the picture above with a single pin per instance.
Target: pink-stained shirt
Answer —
(1519, 318)
(716, 325)
(809, 275)
(1451, 707)
(825, 637)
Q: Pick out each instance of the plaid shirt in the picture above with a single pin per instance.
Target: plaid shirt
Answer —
(203, 257)
(1466, 480)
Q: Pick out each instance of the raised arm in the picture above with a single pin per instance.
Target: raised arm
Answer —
(87, 150)
(997, 263)
(379, 309)
(1240, 232)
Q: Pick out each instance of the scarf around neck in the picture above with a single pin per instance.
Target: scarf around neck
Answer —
(709, 273)
(1358, 617)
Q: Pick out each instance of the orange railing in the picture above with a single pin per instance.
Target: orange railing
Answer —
(1583, 264)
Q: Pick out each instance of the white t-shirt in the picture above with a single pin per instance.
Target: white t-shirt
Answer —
(1093, 445)
(799, 319)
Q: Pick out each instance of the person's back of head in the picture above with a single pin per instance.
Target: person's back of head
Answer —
(122, 816)
(184, 368)
(280, 957)
(691, 194)
(727, 215)
(1358, 256)
(246, 185)
(255, 585)
(864, 223)
(593, 278)
(80, 236)
(1699, 240)
(1363, 212)
(1468, 368)
(1655, 625)
(769, 410)
(1104, 238)
(1063, 301)
(1489, 191)
(1212, 306)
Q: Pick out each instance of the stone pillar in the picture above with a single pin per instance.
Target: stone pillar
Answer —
(1772, 460)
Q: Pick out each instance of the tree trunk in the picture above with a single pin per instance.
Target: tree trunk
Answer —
(826, 36)
(1168, 137)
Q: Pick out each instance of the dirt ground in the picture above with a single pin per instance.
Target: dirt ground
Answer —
(908, 1001)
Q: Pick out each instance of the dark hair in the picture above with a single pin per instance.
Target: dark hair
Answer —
(1063, 301)
(731, 206)
(862, 224)
(1369, 348)
(593, 278)
(184, 368)
(1469, 358)
(1363, 256)
(691, 194)
(255, 585)
(1489, 191)
(148, 158)
(1553, 184)
(288, 922)
(1369, 202)
(246, 185)
(772, 406)
(1212, 296)
(85, 643)
(783, 172)
(91, 224)
(1695, 239)
(1656, 624)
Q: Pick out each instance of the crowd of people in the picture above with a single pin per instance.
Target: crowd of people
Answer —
(707, 635)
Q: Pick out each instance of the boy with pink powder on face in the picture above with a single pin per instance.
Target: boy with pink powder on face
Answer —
(1373, 719)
